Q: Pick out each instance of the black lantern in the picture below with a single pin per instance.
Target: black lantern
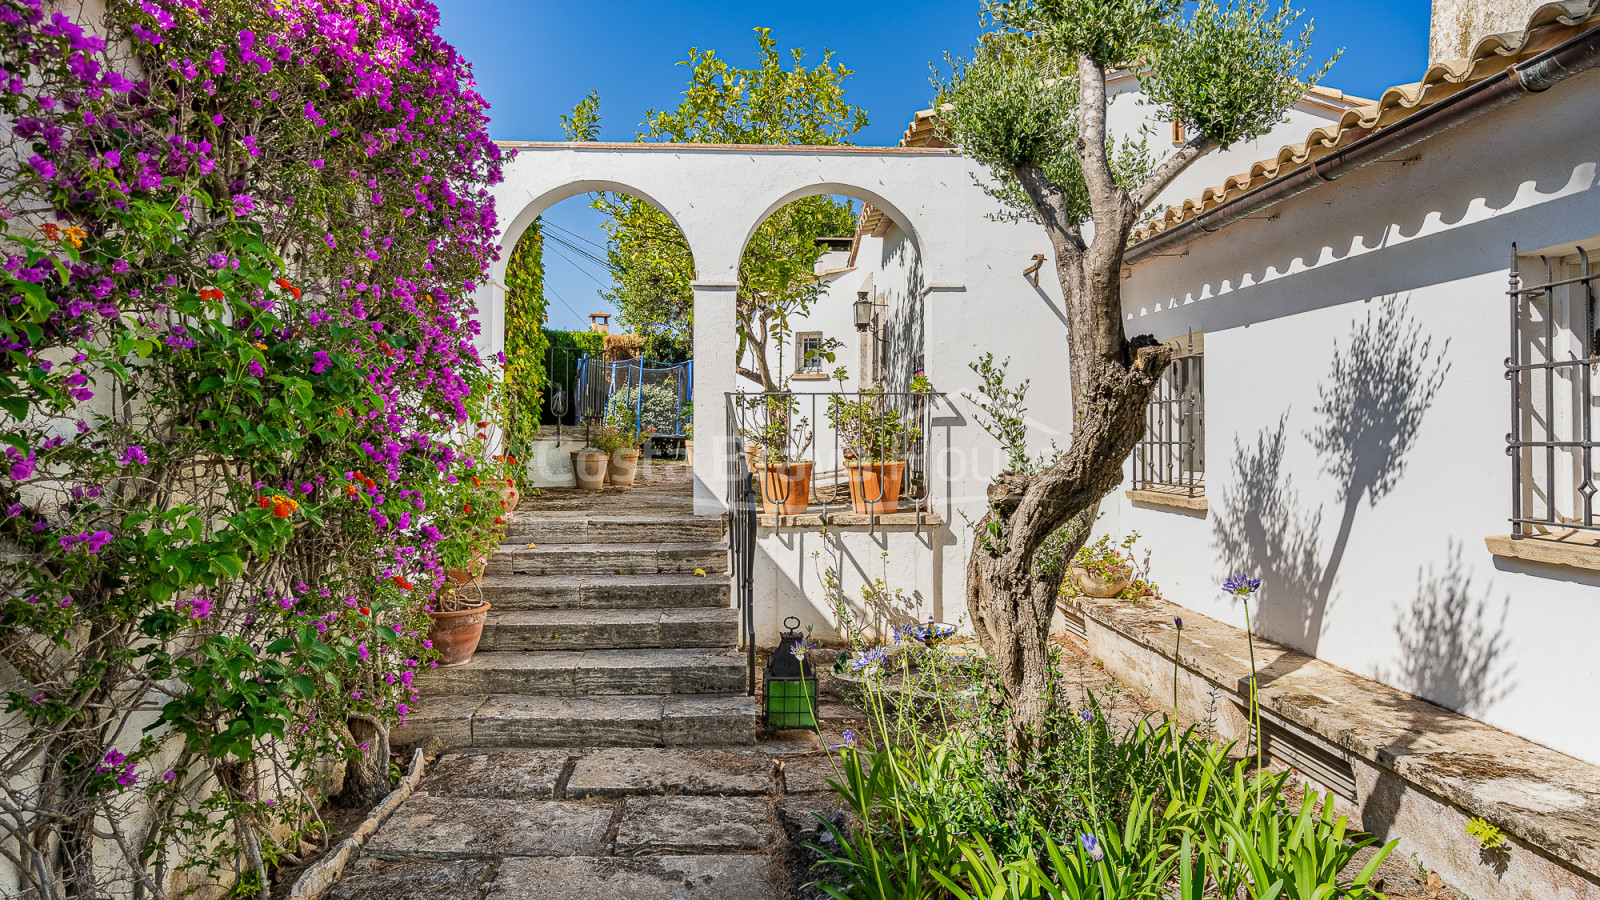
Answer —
(790, 698)
(863, 311)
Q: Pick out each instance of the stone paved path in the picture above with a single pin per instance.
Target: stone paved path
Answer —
(601, 745)
(601, 824)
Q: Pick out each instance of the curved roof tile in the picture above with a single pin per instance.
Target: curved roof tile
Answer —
(1547, 26)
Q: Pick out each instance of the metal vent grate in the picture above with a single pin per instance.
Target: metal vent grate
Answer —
(1314, 757)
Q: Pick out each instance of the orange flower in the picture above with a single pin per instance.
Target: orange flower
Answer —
(475, 481)
(76, 235)
(350, 489)
(263, 502)
(366, 611)
(498, 520)
(282, 506)
(483, 424)
(52, 231)
(469, 509)
(211, 294)
(260, 346)
(402, 582)
(284, 283)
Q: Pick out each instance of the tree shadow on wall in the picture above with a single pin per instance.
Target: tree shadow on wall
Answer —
(1453, 652)
(1371, 406)
(1449, 650)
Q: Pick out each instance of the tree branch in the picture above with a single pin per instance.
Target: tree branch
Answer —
(1050, 202)
(1092, 156)
(1170, 169)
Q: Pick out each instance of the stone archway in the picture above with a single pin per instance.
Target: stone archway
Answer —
(717, 195)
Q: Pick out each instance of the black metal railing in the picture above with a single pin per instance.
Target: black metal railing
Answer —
(825, 453)
(742, 510)
(1172, 454)
(1555, 350)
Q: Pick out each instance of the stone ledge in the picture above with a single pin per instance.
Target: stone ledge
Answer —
(1545, 799)
(1575, 549)
(1170, 498)
(851, 520)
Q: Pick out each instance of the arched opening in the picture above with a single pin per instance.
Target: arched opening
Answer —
(829, 312)
(804, 264)
(596, 314)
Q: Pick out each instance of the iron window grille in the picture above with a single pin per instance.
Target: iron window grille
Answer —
(1172, 455)
(1555, 350)
(808, 353)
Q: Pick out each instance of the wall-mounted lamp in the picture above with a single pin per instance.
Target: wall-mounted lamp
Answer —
(863, 311)
(1032, 272)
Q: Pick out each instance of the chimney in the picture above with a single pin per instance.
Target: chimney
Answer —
(1458, 24)
(600, 322)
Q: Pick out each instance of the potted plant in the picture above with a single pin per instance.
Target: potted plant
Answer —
(1102, 569)
(457, 623)
(688, 433)
(624, 440)
(778, 436)
(590, 464)
(873, 437)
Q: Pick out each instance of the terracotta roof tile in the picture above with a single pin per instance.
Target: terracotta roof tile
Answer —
(1549, 25)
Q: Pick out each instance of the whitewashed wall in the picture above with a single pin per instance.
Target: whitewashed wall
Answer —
(1386, 573)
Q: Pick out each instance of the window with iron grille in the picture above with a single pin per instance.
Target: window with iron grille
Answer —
(808, 353)
(1172, 456)
(1555, 349)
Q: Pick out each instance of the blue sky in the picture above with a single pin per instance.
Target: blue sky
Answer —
(534, 60)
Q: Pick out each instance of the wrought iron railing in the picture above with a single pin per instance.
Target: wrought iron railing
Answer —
(1555, 350)
(1172, 454)
(824, 453)
(742, 508)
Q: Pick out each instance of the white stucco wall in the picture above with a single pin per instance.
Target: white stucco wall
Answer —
(1389, 580)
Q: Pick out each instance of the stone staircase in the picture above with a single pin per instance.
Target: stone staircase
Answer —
(611, 625)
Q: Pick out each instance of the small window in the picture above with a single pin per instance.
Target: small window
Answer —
(1172, 455)
(808, 353)
(1553, 369)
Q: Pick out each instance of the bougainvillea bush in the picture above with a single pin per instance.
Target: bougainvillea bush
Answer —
(239, 408)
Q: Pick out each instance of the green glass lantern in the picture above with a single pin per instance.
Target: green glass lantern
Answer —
(790, 698)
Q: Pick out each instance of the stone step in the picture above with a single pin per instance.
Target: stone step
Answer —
(609, 629)
(571, 528)
(609, 559)
(513, 592)
(521, 720)
(569, 673)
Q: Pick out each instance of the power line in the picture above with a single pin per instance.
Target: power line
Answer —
(562, 242)
(573, 234)
(586, 272)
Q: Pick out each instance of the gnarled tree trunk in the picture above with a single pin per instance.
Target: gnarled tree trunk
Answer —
(366, 778)
(1009, 599)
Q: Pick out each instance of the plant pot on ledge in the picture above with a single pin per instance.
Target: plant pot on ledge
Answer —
(1102, 585)
(589, 468)
(457, 628)
(785, 488)
(472, 574)
(624, 468)
(875, 486)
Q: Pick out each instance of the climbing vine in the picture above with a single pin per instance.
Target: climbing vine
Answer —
(525, 338)
(240, 411)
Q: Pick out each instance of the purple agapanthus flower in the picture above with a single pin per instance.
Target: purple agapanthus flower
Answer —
(1241, 585)
(1092, 847)
(849, 741)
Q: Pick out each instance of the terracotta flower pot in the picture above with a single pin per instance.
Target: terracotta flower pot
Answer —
(785, 488)
(589, 468)
(875, 486)
(1102, 586)
(472, 574)
(456, 634)
(624, 467)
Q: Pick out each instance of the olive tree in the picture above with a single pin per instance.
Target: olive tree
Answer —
(1031, 105)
